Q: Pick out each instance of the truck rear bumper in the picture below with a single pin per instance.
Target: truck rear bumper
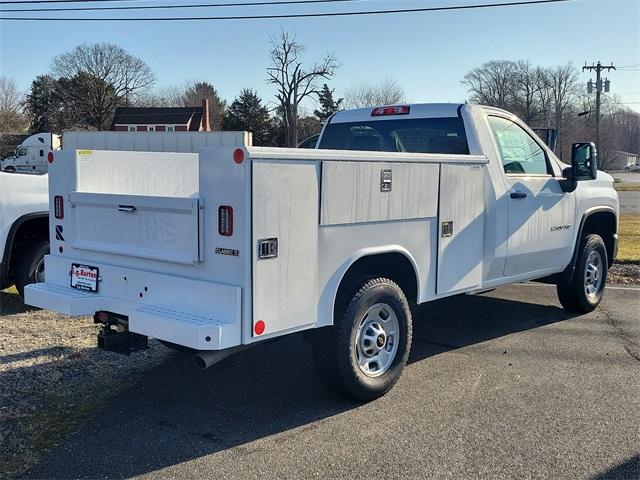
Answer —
(193, 313)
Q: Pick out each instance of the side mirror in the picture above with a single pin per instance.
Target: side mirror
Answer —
(584, 161)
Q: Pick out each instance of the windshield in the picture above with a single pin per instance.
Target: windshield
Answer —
(419, 135)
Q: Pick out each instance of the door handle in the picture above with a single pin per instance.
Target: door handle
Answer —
(518, 195)
(127, 208)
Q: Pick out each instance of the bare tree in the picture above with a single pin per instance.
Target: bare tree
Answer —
(387, 92)
(12, 118)
(170, 96)
(529, 82)
(118, 77)
(492, 83)
(293, 82)
(561, 82)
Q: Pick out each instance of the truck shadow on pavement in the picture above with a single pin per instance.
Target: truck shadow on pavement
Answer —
(178, 413)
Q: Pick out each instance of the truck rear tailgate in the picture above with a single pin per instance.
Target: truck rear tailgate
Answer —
(158, 228)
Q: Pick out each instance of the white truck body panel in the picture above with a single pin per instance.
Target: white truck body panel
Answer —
(20, 195)
(285, 206)
(167, 267)
(184, 142)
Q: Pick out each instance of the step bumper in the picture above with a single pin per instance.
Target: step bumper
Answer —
(194, 330)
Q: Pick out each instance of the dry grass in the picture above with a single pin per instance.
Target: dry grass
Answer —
(629, 238)
(627, 187)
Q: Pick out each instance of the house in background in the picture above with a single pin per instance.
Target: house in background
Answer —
(619, 160)
(162, 119)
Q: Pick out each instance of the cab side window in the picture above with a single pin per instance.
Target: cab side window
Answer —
(22, 151)
(520, 153)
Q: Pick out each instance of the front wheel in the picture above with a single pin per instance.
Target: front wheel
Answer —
(583, 293)
(362, 356)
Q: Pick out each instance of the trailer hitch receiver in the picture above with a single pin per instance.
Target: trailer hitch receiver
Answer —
(114, 336)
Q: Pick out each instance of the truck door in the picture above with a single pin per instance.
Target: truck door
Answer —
(541, 215)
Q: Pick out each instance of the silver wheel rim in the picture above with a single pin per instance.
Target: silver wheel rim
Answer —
(377, 339)
(593, 274)
(38, 274)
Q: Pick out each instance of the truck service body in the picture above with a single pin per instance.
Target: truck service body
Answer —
(234, 244)
(24, 199)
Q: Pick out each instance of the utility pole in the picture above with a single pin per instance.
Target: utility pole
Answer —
(599, 84)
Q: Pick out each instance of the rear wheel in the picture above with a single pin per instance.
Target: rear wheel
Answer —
(30, 265)
(362, 356)
(583, 293)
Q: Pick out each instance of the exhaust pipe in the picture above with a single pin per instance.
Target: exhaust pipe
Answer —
(206, 358)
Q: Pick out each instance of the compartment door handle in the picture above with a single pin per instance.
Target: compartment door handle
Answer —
(127, 208)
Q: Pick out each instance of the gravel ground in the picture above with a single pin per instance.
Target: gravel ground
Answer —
(52, 377)
(625, 273)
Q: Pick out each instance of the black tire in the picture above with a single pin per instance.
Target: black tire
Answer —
(573, 293)
(30, 264)
(10, 170)
(336, 351)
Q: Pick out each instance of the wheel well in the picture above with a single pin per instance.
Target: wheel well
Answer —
(605, 225)
(25, 231)
(394, 266)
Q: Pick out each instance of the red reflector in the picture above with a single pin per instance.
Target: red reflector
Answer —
(225, 220)
(58, 207)
(259, 327)
(238, 155)
(395, 110)
(50, 157)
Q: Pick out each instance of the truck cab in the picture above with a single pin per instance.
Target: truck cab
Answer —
(31, 155)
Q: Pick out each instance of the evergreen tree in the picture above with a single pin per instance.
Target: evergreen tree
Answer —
(43, 104)
(247, 113)
(328, 106)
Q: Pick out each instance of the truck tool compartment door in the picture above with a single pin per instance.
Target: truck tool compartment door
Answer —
(541, 225)
(285, 245)
(159, 228)
(461, 231)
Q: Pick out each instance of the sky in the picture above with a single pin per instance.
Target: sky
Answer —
(426, 53)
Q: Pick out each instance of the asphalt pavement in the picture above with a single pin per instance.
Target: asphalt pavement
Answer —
(500, 385)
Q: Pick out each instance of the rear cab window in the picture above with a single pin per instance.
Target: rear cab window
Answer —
(416, 135)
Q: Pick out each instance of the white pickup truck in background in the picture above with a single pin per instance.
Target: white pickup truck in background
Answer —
(215, 250)
(24, 228)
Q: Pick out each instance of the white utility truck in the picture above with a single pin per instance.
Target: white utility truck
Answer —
(400, 205)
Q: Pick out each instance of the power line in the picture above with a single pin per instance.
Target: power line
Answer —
(167, 7)
(62, 1)
(290, 15)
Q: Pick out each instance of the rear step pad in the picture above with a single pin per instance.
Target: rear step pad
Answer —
(201, 332)
(67, 300)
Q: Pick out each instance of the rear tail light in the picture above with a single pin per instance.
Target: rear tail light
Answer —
(225, 220)
(394, 110)
(58, 207)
